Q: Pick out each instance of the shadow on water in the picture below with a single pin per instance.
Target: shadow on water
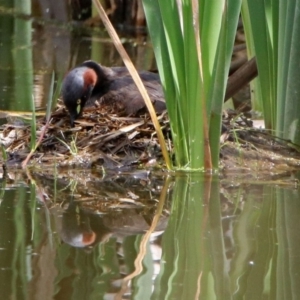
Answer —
(148, 237)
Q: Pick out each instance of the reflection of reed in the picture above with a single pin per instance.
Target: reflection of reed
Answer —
(23, 58)
(52, 46)
(143, 244)
(126, 14)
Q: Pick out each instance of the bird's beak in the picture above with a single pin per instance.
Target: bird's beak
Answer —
(75, 114)
(78, 108)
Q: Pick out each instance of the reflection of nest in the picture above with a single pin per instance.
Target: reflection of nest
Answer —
(99, 193)
(122, 204)
(99, 137)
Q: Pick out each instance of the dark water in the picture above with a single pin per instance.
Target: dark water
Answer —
(77, 234)
(133, 237)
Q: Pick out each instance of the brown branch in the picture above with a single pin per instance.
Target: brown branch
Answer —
(241, 77)
(236, 64)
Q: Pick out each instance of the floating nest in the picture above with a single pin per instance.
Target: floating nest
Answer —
(251, 152)
(102, 138)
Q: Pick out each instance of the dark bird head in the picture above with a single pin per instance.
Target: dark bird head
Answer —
(78, 87)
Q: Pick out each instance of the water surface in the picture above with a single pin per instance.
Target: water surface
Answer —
(123, 237)
(34, 47)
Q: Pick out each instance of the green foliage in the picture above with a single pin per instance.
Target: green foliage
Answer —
(4, 153)
(274, 28)
(288, 107)
(72, 147)
(261, 17)
(193, 47)
(33, 126)
(53, 94)
(22, 56)
(51, 102)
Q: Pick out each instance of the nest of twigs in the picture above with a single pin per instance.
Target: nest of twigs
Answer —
(103, 138)
(251, 151)
(100, 137)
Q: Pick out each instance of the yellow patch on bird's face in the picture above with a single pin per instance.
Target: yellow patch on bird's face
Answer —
(78, 108)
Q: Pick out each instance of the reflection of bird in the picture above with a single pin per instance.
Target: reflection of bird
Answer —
(76, 230)
(113, 86)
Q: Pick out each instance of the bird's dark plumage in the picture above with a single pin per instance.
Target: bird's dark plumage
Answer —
(112, 86)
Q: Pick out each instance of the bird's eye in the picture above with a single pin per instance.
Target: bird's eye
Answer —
(78, 101)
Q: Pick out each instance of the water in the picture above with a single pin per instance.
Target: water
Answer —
(31, 49)
(81, 234)
(93, 239)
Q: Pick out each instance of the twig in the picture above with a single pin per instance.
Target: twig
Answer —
(25, 161)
